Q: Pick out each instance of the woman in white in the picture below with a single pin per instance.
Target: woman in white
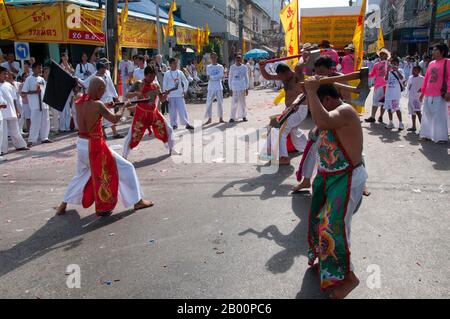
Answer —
(174, 78)
(215, 73)
(434, 124)
(238, 81)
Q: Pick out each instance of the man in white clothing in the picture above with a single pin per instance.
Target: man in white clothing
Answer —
(2, 106)
(138, 73)
(215, 73)
(10, 114)
(11, 65)
(126, 73)
(238, 80)
(34, 88)
(174, 78)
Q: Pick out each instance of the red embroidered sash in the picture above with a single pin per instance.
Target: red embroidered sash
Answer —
(103, 186)
(148, 117)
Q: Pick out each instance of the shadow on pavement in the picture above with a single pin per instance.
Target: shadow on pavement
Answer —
(150, 161)
(53, 235)
(385, 135)
(271, 185)
(436, 153)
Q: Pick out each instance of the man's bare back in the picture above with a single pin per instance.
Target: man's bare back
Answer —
(293, 89)
(87, 115)
(350, 135)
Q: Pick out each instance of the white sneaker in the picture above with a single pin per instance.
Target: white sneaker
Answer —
(390, 126)
(401, 127)
(2, 159)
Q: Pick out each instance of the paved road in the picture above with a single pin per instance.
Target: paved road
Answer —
(223, 230)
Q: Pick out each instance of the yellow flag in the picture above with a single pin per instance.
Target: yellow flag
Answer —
(358, 42)
(123, 18)
(199, 40)
(380, 42)
(280, 98)
(289, 19)
(7, 30)
(244, 47)
(207, 33)
(171, 22)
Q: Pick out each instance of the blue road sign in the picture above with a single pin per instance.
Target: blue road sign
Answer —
(22, 50)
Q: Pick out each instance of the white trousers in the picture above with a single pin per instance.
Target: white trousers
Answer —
(14, 131)
(1, 135)
(130, 191)
(124, 88)
(434, 119)
(73, 110)
(310, 162)
(359, 178)
(298, 138)
(177, 108)
(40, 125)
(54, 120)
(64, 119)
(218, 94)
(238, 101)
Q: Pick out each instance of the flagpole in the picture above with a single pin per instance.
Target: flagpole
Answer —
(158, 26)
(298, 28)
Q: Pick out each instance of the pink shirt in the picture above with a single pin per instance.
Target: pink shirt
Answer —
(348, 64)
(434, 78)
(379, 72)
(333, 55)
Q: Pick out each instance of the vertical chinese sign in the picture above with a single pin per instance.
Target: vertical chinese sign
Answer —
(289, 19)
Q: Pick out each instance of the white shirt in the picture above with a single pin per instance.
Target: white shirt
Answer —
(215, 73)
(9, 95)
(31, 85)
(238, 77)
(171, 78)
(15, 64)
(110, 91)
(2, 102)
(83, 71)
(393, 90)
(138, 74)
(424, 66)
(414, 85)
(125, 67)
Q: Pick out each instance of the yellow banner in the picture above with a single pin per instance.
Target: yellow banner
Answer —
(6, 31)
(339, 30)
(289, 19)
(358, 42)
(372, 48)
(37, 23)
(83, 26)
(139, 34)
(380, 41)
(186, 36)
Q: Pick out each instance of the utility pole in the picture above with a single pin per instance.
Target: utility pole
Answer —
(432, 23)
(111, 32)
(392, 13)
(241, 25)
(158, 27)
(280, 32)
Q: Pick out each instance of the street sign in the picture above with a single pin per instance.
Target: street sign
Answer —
(22, 50)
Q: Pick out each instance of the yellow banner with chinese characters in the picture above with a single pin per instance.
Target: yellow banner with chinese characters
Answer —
(186, 36)
(37, 23)
(339, 30)
(83, 26)
(6, 31)
(139, 34)
(289, 19)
